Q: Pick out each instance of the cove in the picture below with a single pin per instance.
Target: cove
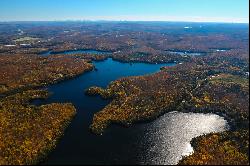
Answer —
(139, 144)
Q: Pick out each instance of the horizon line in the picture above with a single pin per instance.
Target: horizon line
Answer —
(104, 20)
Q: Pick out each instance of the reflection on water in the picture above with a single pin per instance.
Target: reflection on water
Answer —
(168, 138)
(161, 141)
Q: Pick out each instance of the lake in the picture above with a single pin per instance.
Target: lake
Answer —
(183, 53)
(78, 51)
(161, 141)
(193, 53)
(220, 49)
(168, 138)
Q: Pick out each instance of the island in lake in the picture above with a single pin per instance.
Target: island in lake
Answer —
(124, 93)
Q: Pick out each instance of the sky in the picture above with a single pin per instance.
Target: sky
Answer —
(129, 10)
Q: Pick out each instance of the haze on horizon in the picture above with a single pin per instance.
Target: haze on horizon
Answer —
(232, 11)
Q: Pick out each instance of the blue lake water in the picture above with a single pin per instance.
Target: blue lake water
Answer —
(220, 49)
(139, 144)
(78, 51)
(182, 53)
(193, 53)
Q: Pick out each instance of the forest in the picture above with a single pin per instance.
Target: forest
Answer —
(215, 82)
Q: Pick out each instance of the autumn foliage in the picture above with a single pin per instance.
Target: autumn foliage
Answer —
(29, 132)
(219, 87)
(227, 148)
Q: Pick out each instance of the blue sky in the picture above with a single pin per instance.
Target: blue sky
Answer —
(143, 10)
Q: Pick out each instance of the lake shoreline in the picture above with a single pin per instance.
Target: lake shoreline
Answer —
(124, 62)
